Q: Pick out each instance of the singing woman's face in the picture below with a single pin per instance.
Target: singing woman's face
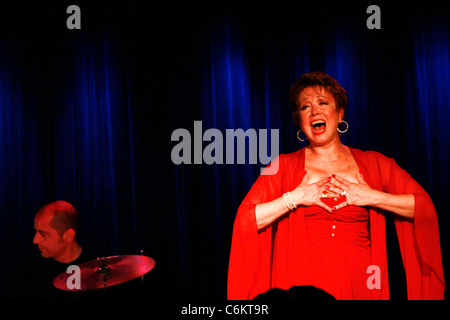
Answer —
(319, 117)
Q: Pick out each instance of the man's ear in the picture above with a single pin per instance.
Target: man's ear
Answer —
(69, 235)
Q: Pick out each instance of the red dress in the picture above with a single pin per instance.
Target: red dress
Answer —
(338, 250)
(333, 251)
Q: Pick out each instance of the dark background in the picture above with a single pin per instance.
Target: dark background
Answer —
(87, 116)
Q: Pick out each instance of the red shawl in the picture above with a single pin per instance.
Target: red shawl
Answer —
(273, 257)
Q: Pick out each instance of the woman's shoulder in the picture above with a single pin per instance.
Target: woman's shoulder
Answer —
(295, 158)
(294, 155)
(285, 162)
(299, 155)
(369, 154)
(366, 156)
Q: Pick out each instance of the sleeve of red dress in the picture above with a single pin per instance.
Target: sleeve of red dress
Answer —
(418, 237)
(249, 264)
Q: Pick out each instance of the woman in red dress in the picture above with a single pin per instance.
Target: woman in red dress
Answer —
(319, 220)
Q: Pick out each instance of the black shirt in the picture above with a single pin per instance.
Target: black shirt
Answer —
(34, 279)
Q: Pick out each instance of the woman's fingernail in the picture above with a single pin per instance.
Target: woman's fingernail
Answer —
(333, 175)
(327, 187)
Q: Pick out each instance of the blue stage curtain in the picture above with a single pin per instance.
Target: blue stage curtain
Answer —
(87, 116)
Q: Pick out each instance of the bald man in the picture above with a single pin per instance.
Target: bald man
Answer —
(56, 225)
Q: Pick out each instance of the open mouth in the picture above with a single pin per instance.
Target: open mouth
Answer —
(318, 126)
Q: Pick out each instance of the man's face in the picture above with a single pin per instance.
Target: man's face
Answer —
(48, 239)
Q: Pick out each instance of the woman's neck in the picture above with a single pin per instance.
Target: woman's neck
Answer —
(331, 152)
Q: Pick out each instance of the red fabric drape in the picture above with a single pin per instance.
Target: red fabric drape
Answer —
(274, 257)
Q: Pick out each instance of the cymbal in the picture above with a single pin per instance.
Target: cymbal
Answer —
(105, 272)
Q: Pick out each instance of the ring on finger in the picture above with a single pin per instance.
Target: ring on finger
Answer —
(343, 193)
(323, 195)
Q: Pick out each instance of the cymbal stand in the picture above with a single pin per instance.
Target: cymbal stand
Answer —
(142, 277)
(105, 272)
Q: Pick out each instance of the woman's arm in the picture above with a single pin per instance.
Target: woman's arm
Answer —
(304, 195)
(401, 204)
(360, 194)
(268, 212)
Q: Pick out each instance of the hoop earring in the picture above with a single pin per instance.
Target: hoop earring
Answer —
(302, 140)
(346, 129)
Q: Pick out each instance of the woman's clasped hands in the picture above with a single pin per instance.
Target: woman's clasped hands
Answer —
(356, 193)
